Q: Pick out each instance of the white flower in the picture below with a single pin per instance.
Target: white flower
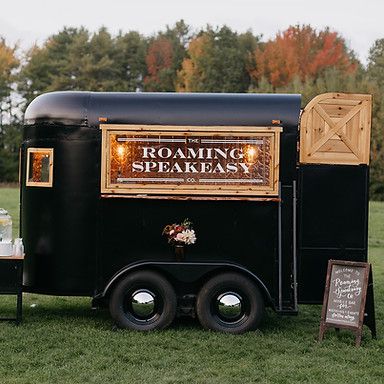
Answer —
(189, 236)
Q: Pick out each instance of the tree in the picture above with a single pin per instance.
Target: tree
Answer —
(53, 66)
(91, 63)
(331, 80)
(217, 62)
(375, 72)
(159, 62)
(179, 35)
(376, 63)
(129, 60)
(8, 63)
(10, 139)
(74, 59)
(301, 51)
(10, 132)
(191, 77)
(165, 55)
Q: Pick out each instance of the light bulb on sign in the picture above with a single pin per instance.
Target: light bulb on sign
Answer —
(121, 151)
(250, 153)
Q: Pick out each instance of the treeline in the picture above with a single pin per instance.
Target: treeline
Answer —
(300, 59)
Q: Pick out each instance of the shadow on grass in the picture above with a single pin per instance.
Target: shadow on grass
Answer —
(53, 310)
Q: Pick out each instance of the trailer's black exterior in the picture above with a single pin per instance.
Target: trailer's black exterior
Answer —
(80, 243)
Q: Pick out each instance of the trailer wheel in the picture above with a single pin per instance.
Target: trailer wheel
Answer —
(143, 301)
(231, 303)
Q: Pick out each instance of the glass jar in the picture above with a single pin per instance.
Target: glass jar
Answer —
(5, 226)
(18, 247)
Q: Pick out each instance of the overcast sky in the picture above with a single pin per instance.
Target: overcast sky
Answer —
(29, 21)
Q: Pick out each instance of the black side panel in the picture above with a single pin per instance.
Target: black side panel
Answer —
(333, 222)
(59, 224)
(288, 157)
(240, 232)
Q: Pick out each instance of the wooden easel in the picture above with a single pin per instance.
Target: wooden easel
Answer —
(366, 308)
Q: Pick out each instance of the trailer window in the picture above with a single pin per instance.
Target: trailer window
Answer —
(39, 167)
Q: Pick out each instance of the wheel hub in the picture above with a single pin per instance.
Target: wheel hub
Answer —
(229, 306)
(143, 303)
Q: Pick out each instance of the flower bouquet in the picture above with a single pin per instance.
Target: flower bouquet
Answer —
(180, 234)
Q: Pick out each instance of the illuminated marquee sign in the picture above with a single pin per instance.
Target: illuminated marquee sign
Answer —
(190, 160)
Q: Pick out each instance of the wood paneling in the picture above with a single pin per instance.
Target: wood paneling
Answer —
(335, 129)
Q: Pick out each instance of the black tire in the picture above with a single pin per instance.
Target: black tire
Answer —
(131, 306)
(244, 309)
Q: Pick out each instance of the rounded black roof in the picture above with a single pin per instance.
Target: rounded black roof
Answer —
(85, 108)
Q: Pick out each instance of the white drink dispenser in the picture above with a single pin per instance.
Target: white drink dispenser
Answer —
(6, 248)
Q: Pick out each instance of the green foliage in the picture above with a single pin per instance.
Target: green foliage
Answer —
(10, 132)
(376, 62)
(332, 80)
(61, 340)
(218, 61)
(179, 35)
(164, 58)
(10, 139)
(8, 63)
(376, 224)
(375, 79)
(53, 66)
(129, 59)
(224, 64)
(73, 59)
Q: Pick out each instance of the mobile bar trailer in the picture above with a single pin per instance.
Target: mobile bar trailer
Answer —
(273, 194)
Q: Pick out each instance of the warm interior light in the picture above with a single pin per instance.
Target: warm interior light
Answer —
(120, 151)
(39, 166)
(119, 155)
(250, 153)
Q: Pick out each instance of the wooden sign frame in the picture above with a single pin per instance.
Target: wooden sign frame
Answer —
(366, 307)
(216, 187)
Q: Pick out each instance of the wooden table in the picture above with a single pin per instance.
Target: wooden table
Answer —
(11, 282)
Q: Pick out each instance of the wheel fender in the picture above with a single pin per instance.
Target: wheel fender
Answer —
(188, 273)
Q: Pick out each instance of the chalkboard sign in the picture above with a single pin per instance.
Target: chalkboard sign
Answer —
(345, 296)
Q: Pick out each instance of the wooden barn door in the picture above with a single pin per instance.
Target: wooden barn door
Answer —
(335, 129)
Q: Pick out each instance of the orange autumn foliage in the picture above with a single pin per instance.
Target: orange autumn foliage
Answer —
(159, 57)
(8, 62)
(303, 52)
(190, 68)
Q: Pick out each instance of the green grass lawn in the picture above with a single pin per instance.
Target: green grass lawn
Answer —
(62, 340)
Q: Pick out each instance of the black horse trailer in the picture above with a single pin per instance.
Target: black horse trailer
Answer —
(273, 193)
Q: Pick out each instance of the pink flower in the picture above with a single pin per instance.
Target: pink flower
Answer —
(180, 237)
